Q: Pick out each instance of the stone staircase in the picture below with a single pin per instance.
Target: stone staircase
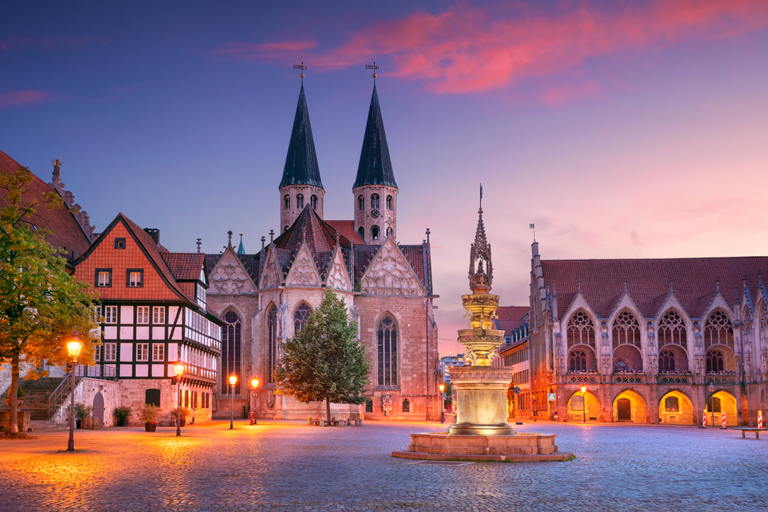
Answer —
(36, 394)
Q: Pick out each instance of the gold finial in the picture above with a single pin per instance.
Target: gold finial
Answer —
(302, 67)
(374, 67)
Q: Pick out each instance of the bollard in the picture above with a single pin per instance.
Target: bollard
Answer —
(704, 419)
(759, 419)
(723, 422)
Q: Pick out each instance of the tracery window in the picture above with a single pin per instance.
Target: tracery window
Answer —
(230, 352)
(715, 361)
(626, 330)
(406, 405)
(620, 366)
(672, 330)
(313, 201)
(718, 330)
(300, 317)
(581, 331)
(272, 342)
(671, 404)
(666, 361)
(387, 345)
(375, 232)
(300, 201)
(577, 361)
(713, 404)
(374, 200)
(389, 202)
(287, 202)
(360, 202)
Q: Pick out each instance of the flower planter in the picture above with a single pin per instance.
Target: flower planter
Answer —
(150, 427)
(183, 422)
(122, 422)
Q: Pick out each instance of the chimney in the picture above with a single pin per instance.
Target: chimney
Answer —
(154, 233)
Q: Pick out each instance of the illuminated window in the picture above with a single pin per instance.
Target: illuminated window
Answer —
(671, 404)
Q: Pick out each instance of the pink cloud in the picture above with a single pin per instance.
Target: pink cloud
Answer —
(15, 98)
(467, 49)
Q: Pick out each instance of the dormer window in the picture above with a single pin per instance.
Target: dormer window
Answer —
(299, 201)
(375, 232)
(360, 203)
(287, 202)
(313, 202)
(135, 278)
(389, 202)
(374, 201)
(103, 277)
(119, 243)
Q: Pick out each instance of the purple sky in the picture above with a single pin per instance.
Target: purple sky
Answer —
(622, 129)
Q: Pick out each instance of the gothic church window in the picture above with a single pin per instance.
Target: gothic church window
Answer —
(389, 202)
(389, 232)
(387, 351)
(715, 361)
(361, 232)
(300, 201)
(271, 342)
(672, 330)
(666, 361)
(718, 330)
(626, 330)
(313, 202)
(577, 361)
(300, 317)
(713, 404)
(406, 405)
(360, 203)
(581, 331)
(230, 352)
(374, 200)
(375, 232)
(287, 202)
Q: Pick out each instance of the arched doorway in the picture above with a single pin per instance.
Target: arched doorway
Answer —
(629, 406)
(98, 408)
(722, 402)
(576, 408)
(676, 408)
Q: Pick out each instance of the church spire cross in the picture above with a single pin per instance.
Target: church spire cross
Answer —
(271, 235)
(374, 67)
(302, 67)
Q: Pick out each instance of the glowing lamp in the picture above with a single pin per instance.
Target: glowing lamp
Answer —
(74, 347)
(233, 379)
(254, 383)
(583, 390)
(442, 388)
(178, 369)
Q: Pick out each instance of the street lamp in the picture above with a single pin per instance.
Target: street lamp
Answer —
(712, 401)
(584, 404)
(178, 369)
(232, 382)
(254, 385)
(442, 403)
(73, 348)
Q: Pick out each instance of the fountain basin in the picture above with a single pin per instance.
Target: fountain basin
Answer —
(512, 448)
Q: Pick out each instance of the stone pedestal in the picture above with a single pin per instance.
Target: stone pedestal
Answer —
(481, 400)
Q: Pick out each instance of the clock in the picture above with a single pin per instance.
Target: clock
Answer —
(375, 214)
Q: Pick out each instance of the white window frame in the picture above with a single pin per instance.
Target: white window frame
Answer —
(158, 352)
(105, 283)
(134, 283)
(110, 351)
(142, 349)
(110, 314)
(97, 353)
(142, 314)
(158, 315)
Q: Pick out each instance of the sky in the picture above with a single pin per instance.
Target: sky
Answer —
(621, 129)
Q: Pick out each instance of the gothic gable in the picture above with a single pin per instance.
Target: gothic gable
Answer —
(229, 276)
(338, 276)
(390, 275)
(303, 271)
(272, 276)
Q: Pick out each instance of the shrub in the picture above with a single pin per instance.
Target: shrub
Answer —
(81, 411)
(149, 413)
(121, 414)
(186, 413)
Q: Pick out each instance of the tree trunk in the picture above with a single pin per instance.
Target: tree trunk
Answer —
(13, 394)
(328, 410)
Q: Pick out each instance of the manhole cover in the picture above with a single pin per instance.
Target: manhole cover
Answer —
(443, 463)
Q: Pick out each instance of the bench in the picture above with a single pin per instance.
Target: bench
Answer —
(755, 430)
(313, 422)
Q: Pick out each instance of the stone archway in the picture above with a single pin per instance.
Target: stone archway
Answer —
(724, 403)
(98, 408)
(576, 408)
(676, 408)
(629, 406)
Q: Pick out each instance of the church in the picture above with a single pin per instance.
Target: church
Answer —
(265, 298)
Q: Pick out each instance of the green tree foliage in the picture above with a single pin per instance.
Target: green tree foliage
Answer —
(325, 361)
(41, 304)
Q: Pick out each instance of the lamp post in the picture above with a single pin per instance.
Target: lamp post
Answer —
(583, 404)
(442, 403)
(254, 385)
(232, 382)
(711, 401)
(178, 369)
(73, 348)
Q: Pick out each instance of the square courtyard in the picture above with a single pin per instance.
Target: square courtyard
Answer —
(290, 466)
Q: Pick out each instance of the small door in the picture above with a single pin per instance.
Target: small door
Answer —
(98, 408)
(625, 413)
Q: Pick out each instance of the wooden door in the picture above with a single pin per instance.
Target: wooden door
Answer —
(98, 408)
(625, 412)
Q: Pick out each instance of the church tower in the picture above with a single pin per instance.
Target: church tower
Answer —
(375, 190)
(301, 184)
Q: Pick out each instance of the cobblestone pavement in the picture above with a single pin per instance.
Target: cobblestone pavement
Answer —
(287, 466)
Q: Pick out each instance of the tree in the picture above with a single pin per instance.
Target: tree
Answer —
(41, 304)
(325, 361)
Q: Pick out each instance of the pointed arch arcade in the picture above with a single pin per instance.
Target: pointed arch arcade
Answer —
(581, 343)
(627, 351)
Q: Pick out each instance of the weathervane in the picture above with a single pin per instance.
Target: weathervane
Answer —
(374, 67)
(302, 67)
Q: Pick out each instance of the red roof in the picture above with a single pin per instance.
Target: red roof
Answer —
(65, 232)
(185, 266)
(511, 318)
(347, 230)
(648, 281)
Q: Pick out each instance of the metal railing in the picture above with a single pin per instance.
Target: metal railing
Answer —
(80, 372)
